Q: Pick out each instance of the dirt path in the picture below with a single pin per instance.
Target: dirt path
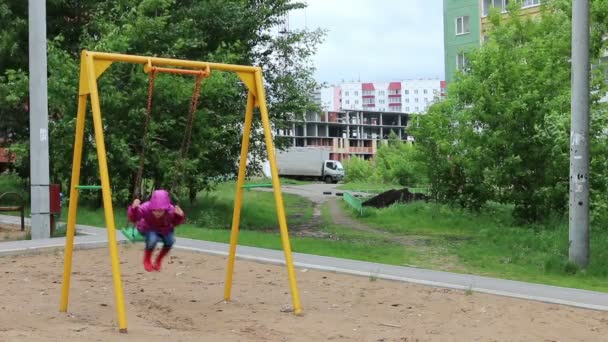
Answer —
(342, 219)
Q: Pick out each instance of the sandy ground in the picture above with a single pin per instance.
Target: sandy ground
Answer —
(11, 232)
(184, 301)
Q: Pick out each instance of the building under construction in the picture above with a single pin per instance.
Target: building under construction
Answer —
(347, 133)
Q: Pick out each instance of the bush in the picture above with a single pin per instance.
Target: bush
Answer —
(395, 163)
(358, 170)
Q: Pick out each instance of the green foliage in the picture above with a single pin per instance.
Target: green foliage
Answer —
(395, 163)
(233, 31)
(502, 134)
(10, 182)
(398, 162)
(357, 170)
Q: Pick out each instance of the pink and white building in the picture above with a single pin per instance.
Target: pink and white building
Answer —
(408, 96)
(358, 117)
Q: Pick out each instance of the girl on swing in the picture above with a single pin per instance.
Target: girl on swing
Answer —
(156, 220)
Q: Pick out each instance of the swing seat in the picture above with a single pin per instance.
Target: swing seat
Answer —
(132, 234)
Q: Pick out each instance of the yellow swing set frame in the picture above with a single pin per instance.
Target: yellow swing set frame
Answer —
(92, 66)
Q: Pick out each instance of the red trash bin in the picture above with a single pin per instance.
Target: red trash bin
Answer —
(54, 204)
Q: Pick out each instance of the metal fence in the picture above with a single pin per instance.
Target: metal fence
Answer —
(353, 202)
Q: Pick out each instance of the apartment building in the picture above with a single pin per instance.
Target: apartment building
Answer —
(408, 96)
(347, 133)
(465, 26)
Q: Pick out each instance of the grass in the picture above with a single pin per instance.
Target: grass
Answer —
(214, 210)
(491, 244)
(210, 219)
(443, 238)
(342, 243)
(11, 183)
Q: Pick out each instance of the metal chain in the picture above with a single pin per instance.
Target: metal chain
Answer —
(188, 134)
(140, 170)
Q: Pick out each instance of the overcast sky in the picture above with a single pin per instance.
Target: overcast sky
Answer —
(375, 40)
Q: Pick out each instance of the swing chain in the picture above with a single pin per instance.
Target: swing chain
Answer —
(137, 189)
(188, 134)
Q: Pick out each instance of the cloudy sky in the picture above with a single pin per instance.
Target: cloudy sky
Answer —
(375, 40)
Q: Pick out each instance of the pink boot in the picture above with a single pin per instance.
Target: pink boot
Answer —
(159, 259)
(147, 260)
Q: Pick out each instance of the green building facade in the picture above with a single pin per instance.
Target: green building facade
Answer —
(461, 32)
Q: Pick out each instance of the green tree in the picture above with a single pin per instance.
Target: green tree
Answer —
(234, 31)
(398, 162)
(502, 133)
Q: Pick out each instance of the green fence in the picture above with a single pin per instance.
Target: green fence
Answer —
(353, 202)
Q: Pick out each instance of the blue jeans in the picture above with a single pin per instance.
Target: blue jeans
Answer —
(153, 238)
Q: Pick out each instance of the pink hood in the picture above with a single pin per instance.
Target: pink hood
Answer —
(160, 200)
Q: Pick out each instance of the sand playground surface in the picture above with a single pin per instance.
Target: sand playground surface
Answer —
(183, 302)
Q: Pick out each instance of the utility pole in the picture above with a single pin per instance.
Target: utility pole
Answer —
(39, 123)
(579, 137)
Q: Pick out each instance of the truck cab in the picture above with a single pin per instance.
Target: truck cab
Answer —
(332, 171)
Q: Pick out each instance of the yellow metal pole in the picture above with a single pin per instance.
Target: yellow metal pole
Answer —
(278, 197)
(238, 199)
(107, 196)
(169, 62)
(71, 228)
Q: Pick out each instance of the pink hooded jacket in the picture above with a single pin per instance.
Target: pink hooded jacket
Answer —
(146, 221)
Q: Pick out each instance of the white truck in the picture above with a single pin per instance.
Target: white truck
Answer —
(309, 162)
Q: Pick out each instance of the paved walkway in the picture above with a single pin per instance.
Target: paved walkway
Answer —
(92, 237)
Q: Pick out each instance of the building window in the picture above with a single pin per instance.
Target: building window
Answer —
(417, 109)
(356, 93)
(461, 61)
(501, 4)
(347, 102)
(368, 92)
(415, 91)
(368, 101)
(381, 93)
(529, 3)
(345, 93)
(407, 109)
(393, 92)
(435, 91)
(407, 100)
(356, 101)
(426, 100)
(416, 100)
(462, 25)
(381, 101)
(426, 91)
(406, 92)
